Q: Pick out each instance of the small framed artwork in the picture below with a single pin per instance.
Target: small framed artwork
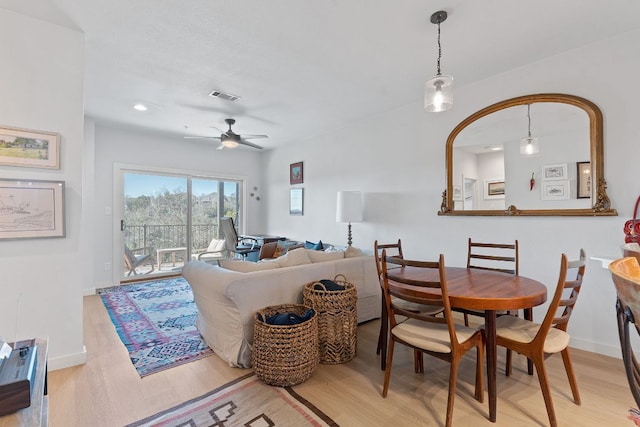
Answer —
(31, 209)
(555, 172)
(494, 189)
(29, 148)
(457, 192)
(584, 180)
(555, 190)
(296, 201)
(295, 173)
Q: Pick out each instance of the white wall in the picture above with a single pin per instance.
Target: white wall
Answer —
(398, 160)
(41, 87)
(149, 150)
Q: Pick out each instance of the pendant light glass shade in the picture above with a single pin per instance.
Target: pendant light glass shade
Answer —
(528, 144)
(438, 94)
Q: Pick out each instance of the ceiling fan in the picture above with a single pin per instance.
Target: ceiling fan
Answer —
(230, 139)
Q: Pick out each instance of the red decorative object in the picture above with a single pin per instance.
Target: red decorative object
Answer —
(632, 227)
(532, 181)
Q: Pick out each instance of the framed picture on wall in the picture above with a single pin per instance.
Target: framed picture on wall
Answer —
(494, 189)
(296, 201)
(584, 180)
(295, 173)
(555, 190)
(555, 172)
(31, 209)
(29, 148)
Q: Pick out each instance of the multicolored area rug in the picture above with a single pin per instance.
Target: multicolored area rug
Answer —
(246, 401)
(156, 321)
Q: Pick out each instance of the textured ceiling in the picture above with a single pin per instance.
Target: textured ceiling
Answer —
(303, 68)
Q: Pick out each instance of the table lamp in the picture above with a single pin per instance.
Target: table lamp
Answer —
(349, 209)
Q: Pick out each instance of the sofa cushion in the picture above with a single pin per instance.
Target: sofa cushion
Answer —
(246, 266)
(320, 256)
(294, 257)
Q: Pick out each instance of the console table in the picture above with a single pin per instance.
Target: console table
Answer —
(38, 413)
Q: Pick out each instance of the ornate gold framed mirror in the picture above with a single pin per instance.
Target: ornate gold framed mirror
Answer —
(533, 155)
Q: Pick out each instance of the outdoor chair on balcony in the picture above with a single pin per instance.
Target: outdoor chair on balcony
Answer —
(133, 260)
(214, 251)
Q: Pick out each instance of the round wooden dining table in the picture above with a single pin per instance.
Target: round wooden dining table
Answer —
(486, 290)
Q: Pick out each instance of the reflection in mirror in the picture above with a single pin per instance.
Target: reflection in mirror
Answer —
(488, 151)
(532, 155)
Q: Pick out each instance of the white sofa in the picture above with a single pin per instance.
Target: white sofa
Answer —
(227, 300)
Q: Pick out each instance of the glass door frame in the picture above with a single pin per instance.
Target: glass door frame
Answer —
(119, 169)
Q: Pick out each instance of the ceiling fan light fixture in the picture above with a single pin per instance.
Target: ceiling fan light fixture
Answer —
(228, 142)
(438, 91)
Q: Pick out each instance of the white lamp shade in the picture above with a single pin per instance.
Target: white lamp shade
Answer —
(438, 94)
(349, 206)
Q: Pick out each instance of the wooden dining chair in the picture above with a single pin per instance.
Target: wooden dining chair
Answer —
(437, 336)
(492, 256)
(394, 249)
(539, 341)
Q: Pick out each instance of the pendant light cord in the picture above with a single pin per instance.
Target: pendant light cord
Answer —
(529, 117)
(439, 49)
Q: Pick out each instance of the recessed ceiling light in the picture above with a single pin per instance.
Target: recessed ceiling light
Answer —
(140, 107)
(497, 148)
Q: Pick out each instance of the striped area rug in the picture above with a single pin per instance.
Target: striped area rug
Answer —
(246, 401)
(156, 321)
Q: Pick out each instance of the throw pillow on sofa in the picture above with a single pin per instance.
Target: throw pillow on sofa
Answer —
(294, 257)
(351, 252)
(315, 246)
(319, 256)
(246, 266)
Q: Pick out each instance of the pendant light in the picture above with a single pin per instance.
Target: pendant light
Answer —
(529, 145)
(438, 92)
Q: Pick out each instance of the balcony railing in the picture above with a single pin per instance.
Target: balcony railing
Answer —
(169, 236)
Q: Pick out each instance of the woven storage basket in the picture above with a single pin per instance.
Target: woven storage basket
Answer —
(285, 355)
(337, 319)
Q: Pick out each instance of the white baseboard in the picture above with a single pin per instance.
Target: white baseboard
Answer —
(604, 349)
(88, 291)
(68, 360)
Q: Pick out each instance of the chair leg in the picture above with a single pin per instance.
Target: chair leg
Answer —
(383, 338)
(466, 319)
(387, 371)
(418, 361)
(570, 374)
(507, 367)
(538, 361)
(453, 378)
(479, 374)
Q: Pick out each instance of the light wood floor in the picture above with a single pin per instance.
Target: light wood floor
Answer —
(107, 391)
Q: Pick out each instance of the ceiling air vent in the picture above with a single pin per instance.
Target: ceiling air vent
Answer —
(222, 95)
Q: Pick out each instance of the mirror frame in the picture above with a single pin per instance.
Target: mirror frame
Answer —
(601, 205)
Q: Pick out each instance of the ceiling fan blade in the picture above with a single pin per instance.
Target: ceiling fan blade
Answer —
(249, 144)
(202, 137)
(253, 136)
(220, 147)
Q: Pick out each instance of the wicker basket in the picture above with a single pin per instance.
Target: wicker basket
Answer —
(285, 355)
(337, 319)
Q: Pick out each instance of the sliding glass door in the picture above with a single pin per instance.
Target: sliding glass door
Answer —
(168, 219)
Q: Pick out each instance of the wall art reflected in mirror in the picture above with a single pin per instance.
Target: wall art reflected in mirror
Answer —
(518, 157)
